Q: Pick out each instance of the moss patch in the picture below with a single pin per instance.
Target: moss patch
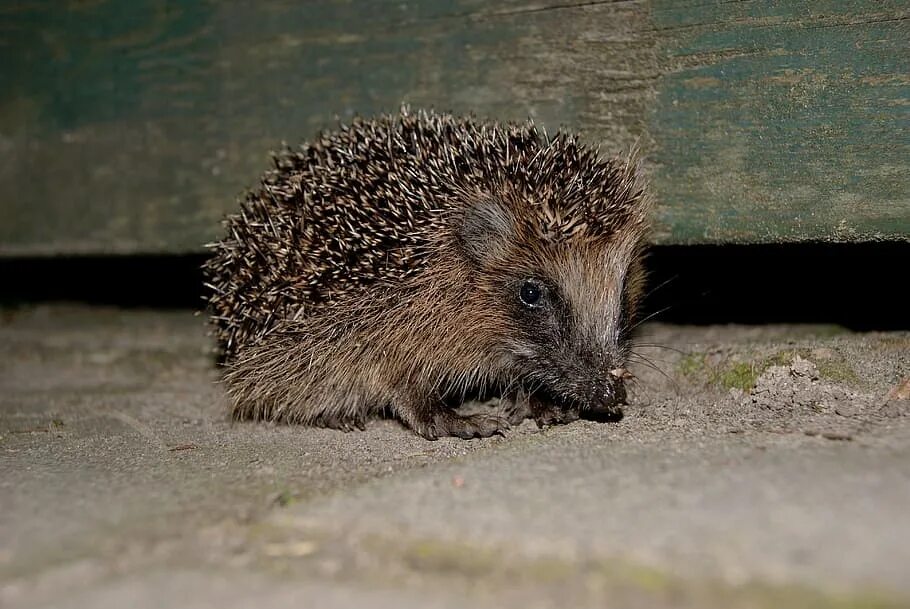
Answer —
(727, 374)
(743, 374)
(838, 371)
(691, 364)
(740, 375)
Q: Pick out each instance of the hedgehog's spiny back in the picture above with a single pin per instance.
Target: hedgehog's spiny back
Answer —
(362, 204)
(353, 207)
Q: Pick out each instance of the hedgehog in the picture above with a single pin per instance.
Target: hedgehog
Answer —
(407, 263)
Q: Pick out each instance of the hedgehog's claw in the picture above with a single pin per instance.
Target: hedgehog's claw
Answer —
(427, 432)
(341, 423)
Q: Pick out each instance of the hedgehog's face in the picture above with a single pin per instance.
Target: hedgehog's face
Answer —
(570, 317)
(565, 307)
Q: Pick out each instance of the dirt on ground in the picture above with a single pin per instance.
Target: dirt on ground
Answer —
(764, 466)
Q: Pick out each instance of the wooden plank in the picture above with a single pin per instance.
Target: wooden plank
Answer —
(783, 121)
(130, 127)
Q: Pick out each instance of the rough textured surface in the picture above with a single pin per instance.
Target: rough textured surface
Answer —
(768, 468)
(764, 120)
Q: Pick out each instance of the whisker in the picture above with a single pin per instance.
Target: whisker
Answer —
(660, 285)
(651, 316)
(658, 346)
(647, 362)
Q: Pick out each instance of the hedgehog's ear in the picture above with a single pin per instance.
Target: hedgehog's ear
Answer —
(485, 230)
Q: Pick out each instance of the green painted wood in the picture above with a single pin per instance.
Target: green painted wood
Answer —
(783, 121)
(131, 127)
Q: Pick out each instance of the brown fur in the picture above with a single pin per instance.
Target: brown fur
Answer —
(378, 269)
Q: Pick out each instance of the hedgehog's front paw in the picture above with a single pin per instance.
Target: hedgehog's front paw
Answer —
(545, 414)
(469, 426)
(435, 422)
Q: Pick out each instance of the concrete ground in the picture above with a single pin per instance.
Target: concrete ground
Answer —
(755, 467)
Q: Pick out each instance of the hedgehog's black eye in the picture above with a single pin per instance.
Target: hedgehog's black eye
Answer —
(531, 293)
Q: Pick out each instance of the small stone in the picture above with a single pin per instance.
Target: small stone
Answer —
(803, 367)
(901, 391)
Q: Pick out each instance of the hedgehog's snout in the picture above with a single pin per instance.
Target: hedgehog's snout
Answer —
(606, 396)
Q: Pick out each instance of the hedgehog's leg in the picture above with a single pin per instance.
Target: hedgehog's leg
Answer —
(342, 407)
(516, 406)
(432, 419)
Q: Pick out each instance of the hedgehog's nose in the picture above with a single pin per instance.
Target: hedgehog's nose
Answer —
(605, 403)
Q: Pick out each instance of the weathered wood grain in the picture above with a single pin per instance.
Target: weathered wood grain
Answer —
(132, 126)
(783, 121)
